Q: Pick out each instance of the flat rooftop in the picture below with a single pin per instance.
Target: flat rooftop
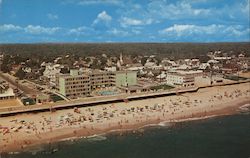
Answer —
(187, 72)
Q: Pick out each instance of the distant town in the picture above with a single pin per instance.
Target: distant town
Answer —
(66, 78)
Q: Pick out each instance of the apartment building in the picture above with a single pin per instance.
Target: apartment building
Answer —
(78, 84)
(74, 84)
(101, 79)
(183, 78)
(125, 78)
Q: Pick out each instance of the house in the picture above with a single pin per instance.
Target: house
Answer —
(50, 72)
(111, 69)
(161, 77)
(6, 92)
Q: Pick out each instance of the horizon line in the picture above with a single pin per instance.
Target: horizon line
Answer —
(113, 42)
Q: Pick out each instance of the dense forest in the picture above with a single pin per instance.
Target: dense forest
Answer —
(171, 50)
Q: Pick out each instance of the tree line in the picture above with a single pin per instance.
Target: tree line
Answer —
(46, 52)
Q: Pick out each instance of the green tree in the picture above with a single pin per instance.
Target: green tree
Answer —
(5, 67)
(158, 60)
(143, 61)
(64, 70)
(20, 74)
(103, 62)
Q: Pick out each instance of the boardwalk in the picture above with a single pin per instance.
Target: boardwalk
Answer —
(100, 100)
(90, 102)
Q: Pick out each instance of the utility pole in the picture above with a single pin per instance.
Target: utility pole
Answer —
(211, 73)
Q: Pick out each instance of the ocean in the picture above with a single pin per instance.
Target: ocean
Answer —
(218, 137)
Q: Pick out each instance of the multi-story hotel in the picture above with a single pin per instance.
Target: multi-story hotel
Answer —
(101, 79)
(125, 78)
(183, 78)
(75, 84)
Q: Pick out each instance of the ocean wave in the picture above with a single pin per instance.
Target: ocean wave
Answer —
(160, 124)
(95, 137)
(244, 109)
(12, 153)
(35, 149)
(194, 118)
(165, 124)
(69, 139)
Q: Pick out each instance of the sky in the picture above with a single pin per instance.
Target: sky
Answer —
(38, 21)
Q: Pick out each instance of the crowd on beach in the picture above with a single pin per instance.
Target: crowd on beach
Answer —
(114, 115)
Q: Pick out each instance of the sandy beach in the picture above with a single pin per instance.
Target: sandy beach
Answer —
(21, 131)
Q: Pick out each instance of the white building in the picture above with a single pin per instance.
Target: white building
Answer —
(6, 93)
(204, 66)
(222, 58)
(167, 62)
(150, 64)
(183, 67)
(183, 78)
(111, 69)
(135, 68)
(50, 72)
(27, 69)
(162, 76)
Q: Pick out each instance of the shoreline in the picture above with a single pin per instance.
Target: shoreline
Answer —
(130, 128)
(229, 107)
